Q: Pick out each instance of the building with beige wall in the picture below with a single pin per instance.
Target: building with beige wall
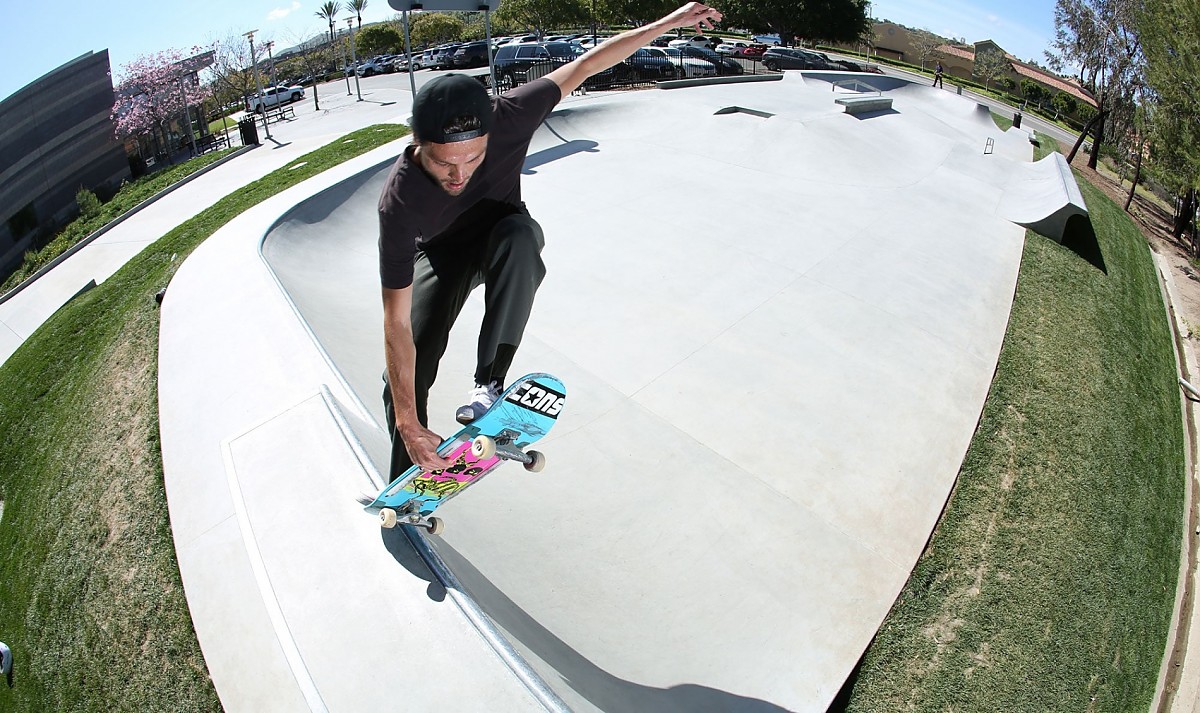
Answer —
(958, 60)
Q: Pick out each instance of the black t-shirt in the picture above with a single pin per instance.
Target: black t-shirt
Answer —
(414, 211)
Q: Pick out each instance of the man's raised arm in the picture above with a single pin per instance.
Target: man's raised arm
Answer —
(616, 49)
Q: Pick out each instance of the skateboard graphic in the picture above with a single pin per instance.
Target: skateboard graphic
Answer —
(520, 416)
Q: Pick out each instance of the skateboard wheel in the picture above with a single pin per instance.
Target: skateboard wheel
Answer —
(436, 526)
(483, 447)
(537, 461)
(387, 518)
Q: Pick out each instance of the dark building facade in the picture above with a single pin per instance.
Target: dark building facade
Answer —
(58, 137)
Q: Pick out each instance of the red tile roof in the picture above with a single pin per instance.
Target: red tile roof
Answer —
(1025, 70)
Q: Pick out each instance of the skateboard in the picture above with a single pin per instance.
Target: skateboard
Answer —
(520, 416)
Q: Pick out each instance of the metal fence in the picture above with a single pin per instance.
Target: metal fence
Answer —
(631, 74)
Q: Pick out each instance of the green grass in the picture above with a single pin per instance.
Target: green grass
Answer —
(91, 600)
(1049, 582)
(126, 198)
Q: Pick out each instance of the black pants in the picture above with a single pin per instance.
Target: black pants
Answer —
(509, 266)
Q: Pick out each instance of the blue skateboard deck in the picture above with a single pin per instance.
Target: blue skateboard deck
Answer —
(520, 416)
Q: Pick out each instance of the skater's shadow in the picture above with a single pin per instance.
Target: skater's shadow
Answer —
(600, 688)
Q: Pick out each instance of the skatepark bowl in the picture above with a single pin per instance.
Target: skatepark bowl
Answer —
(777, 324)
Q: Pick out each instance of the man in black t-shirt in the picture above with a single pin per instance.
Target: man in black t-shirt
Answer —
(451, 218)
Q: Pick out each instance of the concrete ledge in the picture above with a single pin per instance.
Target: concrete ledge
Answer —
(862, 105)
(703, 81)
(115, 222)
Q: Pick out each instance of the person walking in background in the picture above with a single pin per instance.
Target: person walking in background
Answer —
(937, 76)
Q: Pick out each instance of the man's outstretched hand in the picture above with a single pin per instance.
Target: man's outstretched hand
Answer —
(694, 14)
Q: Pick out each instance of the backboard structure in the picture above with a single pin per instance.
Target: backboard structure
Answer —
(487, 7)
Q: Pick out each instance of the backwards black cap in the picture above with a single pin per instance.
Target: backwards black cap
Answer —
(445, 99)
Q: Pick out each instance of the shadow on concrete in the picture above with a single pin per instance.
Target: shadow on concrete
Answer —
(398, 545)
(554, 153)
(1080, 238)
(602, 689)
(873, 114)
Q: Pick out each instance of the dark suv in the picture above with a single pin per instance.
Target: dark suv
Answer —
(520, 63)
(724, 65)
(776, 58)
(472, 54)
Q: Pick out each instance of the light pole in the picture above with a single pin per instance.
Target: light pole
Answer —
(274, 83)
(262, 99)
(346, 65)
(354, 56)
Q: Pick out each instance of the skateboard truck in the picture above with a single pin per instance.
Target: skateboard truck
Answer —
(501, 446)
(410, 514)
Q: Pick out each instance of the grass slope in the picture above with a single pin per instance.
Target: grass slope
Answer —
(130, 195)
(1049, 582)
(90, 595)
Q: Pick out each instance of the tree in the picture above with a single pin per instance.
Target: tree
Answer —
(926, 44)
(378, 39)
(153, 91)
(1064, 103)
(991, 65)
(542, 15)
(357, 6)
(1099, 37)
(231, 78)
(633, 12)
(1033, 92)
(1170, 30)
(435, 28)
(328, 12)
(814, 20)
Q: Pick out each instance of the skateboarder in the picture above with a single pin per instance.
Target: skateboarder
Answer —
(937, 76)
(451, 218)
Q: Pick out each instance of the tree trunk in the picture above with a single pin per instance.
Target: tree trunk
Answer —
(1082, 135)
(1184, 218)
(1137, 175)
(1094, 157)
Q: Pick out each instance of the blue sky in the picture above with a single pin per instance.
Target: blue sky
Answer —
(129, 28)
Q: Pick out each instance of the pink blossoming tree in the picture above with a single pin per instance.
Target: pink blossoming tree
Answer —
(154, 89)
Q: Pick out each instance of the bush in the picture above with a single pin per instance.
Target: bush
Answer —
(89, 204)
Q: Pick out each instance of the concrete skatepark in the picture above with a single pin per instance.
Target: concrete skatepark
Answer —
(777, 326)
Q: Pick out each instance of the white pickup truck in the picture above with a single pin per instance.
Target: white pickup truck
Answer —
(274, 96)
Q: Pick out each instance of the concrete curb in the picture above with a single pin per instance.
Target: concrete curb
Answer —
(1175, 689)
(117, 221)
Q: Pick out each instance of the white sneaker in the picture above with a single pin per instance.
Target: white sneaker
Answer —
(5, 659)
(479, 400)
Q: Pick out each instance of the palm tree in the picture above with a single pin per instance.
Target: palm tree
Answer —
(357, 6)
(327, 12)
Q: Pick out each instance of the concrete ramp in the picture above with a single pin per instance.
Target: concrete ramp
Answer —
(1043, 196)
(777, 330)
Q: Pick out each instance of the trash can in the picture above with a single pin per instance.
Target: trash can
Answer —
(1017, 120)
(249, 131)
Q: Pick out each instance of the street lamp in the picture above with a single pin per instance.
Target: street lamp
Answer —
(354, 56)
(258, 82)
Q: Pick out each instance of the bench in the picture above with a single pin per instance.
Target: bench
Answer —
(862, 105)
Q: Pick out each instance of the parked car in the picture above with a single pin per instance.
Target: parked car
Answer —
(443, 56)
(724, 65)
(400, 62)
(370, 67)
(649, 66)
(662, 41)
(741, 48)
(274, 96)
(688, 67)
(776, 58)
(472, 54)
(518, 63)
(696, 41)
